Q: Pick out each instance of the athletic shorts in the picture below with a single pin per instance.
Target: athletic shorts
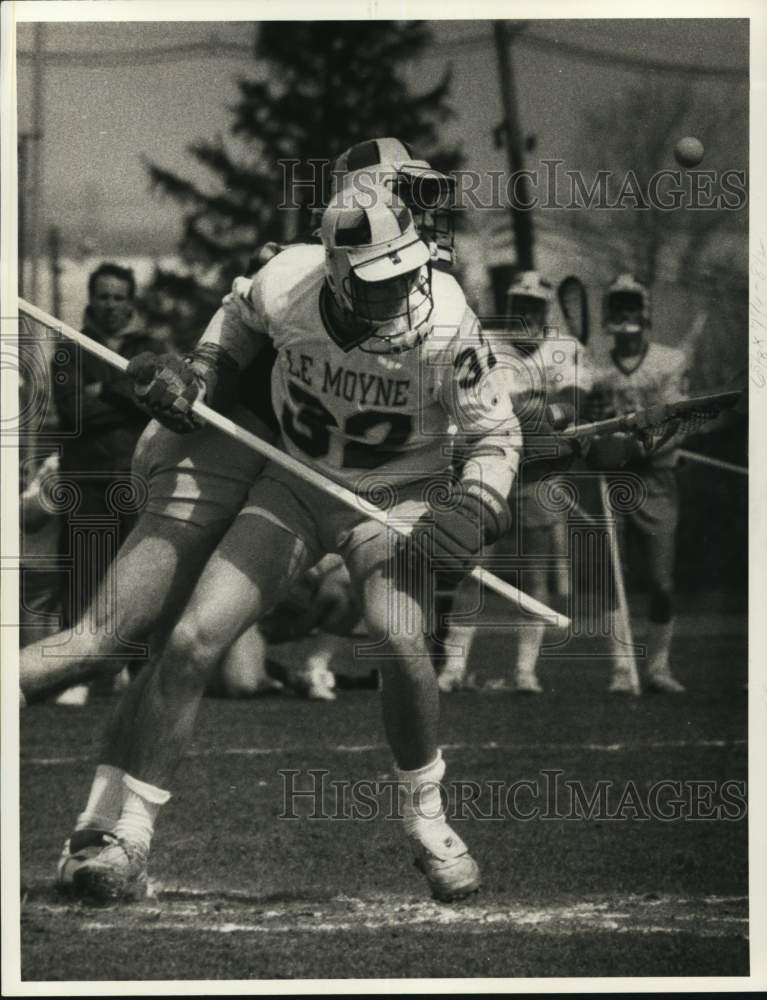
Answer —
(535, 509)
(324, 524)
(658, 513)
(202, 477)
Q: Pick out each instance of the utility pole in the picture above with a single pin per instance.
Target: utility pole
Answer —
(23, 196)
(36, 211)
(54, 256)
(521, 219)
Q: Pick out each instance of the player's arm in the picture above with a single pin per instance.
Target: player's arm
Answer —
(168, 386)
(488, 443)
(673, 388)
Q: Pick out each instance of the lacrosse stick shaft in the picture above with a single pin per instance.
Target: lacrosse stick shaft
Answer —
(638, 419)
(624, 614)
(717, 463)
(341, 493)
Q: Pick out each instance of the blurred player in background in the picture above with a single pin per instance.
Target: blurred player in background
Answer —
(642, 373)
(546, 368)
(380, 364)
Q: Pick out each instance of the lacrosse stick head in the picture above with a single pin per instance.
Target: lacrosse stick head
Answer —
(660, 423)
(574, 303)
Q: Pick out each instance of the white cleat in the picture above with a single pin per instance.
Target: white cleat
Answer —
(80, 848)
(441, 855)
(527, 684)
(75, 696)
(320, 692)
(664, 684)
(452, 677)
(117, 873)
(320, 684)
(624, 684)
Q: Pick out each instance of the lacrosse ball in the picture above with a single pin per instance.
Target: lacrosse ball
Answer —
(688, 151)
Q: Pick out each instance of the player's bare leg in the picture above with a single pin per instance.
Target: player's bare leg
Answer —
(140, 608)
(130, 603)
(624, 679)
(529, 642)
(660, 557)
(464, 608)
(243, 672)
(228, 599)
(196, 485)
(394, 612)
(238, 584)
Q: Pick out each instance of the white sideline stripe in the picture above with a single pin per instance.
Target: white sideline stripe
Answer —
(211, 913)
(377, 747)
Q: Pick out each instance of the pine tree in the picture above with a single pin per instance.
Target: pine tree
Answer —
(322, 86)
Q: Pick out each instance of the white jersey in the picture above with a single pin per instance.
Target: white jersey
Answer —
(557, 371)
(349, 413)
(660, 377)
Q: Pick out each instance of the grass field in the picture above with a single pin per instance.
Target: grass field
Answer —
(239, 893)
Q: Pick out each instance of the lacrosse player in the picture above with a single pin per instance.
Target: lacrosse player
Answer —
(546, 368)
(197, 483)
(642, 373)
(380, 366)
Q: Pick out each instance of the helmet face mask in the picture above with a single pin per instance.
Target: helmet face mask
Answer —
(430, 196)
(527, 316)
(377, 271)
(626, 307)
(385, 301)
(624, 313)
(527, 310)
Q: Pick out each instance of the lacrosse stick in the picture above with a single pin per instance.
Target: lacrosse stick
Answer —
(624, 615)
(717, 463)
(662, 421)
(693, 335)
(574, 303)
(298, 469)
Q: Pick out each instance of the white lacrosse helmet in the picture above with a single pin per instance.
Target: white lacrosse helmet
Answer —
(377, 270)
(429, 194)
(527, 302)
(626, 295)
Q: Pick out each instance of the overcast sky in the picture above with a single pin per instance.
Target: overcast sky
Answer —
(100, 122)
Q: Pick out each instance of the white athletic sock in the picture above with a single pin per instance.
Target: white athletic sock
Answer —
(530, 638)
(105, 800)
(624, 667)
(421, 798)
(141, 804)
(658, 647)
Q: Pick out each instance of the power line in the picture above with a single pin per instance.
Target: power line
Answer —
(98, 59)
(218, 48)
(626, 61)
(599, 56)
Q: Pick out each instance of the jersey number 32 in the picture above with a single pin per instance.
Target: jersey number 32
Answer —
(308, 427)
